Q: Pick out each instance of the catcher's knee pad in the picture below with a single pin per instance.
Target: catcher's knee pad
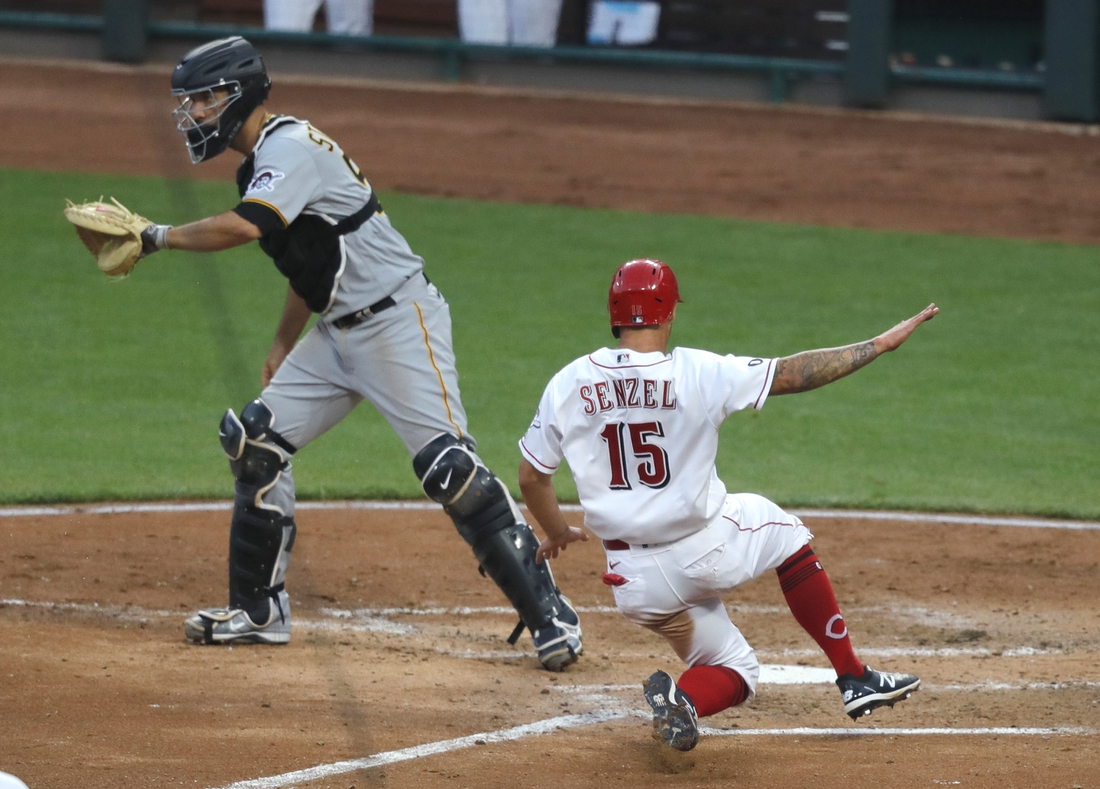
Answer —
(257, 454)
(490, 522)
(447, 468)
(260, 542)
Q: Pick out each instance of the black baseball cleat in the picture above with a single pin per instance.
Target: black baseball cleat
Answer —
(674, 719)
(874, 689)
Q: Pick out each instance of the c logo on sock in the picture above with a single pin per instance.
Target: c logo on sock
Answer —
(829, 627)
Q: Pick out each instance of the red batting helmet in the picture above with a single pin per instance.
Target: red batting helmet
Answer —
(643, 293)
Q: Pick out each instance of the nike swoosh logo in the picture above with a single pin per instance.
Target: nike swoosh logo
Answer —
(613, 565)
(446, 479)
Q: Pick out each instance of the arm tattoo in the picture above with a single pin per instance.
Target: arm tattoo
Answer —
(811, 369)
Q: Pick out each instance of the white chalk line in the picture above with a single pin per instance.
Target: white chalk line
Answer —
(990, 686)
(218, 506)
(430, 749)
(994, 731)
(771, 674)
(969, 520)
(563, 722)
(378, 620)
(929, 652)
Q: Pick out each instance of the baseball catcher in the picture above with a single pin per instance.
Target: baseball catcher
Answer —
(382, 334)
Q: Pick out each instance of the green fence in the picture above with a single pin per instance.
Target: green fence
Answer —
(866, 64)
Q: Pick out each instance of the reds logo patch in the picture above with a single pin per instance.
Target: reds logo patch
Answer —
(265, 181)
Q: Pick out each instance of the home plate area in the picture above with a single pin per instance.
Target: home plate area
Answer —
(398, 671)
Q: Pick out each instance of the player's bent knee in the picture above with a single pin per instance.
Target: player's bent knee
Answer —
(257, 454)
(451, 474)
(445, 468)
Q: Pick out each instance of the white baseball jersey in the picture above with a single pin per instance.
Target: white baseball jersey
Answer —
(640, 433)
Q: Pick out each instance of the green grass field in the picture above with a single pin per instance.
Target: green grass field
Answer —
(114, 390)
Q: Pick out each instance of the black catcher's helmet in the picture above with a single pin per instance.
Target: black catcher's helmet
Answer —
(227, 79)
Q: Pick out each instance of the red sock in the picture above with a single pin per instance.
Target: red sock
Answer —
(713, 688)
(810, 598)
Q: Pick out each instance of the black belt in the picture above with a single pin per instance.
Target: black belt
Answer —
(355, 318)
(619, 545)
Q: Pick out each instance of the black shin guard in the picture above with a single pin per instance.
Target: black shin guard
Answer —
(505, 549)
(260, 535)
(260, 542)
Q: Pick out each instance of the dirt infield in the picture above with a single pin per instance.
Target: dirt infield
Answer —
(399, 645)
(399, 649)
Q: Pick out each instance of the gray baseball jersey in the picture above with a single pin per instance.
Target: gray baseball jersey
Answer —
(383, 334)
(297, 169)
(401, 357)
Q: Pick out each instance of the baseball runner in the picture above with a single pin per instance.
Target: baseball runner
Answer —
(383, 334)
(639, 428)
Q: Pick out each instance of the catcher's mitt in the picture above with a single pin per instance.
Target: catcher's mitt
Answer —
(112, 233)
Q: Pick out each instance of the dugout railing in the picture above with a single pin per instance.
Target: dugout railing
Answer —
(1071, 96)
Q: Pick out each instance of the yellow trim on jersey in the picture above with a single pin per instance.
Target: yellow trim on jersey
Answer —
(431, 358)
(268, 205)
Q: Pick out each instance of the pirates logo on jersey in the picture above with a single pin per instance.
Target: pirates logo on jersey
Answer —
(264, 181)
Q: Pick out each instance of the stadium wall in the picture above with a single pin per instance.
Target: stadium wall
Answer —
(968, 92)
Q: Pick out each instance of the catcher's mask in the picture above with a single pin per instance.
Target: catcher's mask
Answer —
(218, 86)
(643, 293)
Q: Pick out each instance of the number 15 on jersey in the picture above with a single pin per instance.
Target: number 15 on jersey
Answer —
(636, 439)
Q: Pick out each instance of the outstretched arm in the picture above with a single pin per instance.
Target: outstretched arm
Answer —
(542, 501)
(811, 369)
(212, 234)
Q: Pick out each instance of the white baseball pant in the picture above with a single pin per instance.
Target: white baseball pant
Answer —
(675, 588)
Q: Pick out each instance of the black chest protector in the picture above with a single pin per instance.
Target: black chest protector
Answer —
(307, 251)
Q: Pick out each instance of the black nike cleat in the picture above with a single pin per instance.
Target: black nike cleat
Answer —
(874, 689)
